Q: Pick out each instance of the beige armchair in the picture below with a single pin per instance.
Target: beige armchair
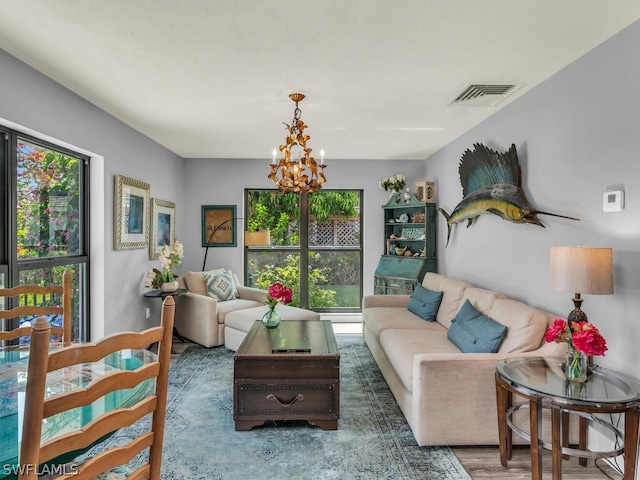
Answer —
(201, 318)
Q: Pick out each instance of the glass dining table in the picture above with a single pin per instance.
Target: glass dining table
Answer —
(13, 380)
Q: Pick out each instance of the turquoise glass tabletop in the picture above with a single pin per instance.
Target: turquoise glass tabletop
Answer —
(13, 379)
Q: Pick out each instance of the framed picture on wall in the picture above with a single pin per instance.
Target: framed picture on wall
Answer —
(218, 226)
(131, 214)
(163, 226)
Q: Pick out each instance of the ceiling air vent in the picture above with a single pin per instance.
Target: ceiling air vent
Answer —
(482, 95)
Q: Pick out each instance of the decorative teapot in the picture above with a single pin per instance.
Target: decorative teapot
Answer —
(400, 251)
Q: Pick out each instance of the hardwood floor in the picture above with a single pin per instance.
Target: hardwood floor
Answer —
(483, 463)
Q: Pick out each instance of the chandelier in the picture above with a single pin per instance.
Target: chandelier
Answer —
(297, 171)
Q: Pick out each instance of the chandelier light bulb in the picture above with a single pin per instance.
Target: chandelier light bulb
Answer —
(322, 156)
(273, 155)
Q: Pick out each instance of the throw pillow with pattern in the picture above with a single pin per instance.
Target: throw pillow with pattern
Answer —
(220, 285)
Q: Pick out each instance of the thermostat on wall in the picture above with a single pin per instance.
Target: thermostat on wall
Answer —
(613, 201)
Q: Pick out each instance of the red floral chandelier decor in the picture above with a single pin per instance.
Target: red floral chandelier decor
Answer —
(297, 171)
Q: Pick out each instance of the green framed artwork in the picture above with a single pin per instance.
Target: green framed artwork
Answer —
(218, 226)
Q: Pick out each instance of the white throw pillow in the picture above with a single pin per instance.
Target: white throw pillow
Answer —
(220, 285)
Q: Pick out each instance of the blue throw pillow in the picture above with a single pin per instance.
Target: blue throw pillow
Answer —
(425, 303)
(472, 332)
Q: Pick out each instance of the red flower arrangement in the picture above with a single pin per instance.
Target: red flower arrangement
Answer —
(278, 293)
(583, 337)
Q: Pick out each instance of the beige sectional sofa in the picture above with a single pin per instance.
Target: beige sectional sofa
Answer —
(447, 396)
(212, 322)
(200, 318)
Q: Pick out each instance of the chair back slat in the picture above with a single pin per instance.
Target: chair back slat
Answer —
(92, 352)
(30, 310)
(35, 300)
(109, 422)
(35, 451)
(25, 332)
(82, 397)
(114, 457)
(141, 473)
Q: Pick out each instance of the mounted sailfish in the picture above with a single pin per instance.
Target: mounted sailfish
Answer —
(491, 183)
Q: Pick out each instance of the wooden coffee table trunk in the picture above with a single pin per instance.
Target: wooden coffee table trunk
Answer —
(299, 381)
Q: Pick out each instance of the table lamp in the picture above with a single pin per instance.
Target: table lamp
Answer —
(581, 270)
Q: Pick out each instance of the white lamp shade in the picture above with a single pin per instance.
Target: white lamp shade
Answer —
(581, 270)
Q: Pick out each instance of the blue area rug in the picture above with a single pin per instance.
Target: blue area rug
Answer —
(373, 440)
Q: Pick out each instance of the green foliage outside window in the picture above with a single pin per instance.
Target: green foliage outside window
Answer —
(279, 213)
(288, 275)
(333, 278)
(47, 203)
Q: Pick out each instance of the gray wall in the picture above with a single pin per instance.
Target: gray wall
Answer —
(33, 103)
(576, 135)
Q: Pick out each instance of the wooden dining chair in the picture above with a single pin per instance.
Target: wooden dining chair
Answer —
(37, 300)
(111, 462)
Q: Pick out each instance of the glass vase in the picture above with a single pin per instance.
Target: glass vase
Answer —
(576, 366)
(271, 319)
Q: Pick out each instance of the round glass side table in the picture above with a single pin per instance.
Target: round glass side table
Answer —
(543, 383)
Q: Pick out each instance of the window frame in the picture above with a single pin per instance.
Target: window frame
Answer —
(304, 247)
(8, 216)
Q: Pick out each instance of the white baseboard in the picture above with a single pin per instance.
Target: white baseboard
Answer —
(342, 317)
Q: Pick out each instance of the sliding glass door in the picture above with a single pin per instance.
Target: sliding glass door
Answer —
(315, 247)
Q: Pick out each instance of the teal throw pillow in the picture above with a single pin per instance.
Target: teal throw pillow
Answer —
(220, 285)
(472, 332)
(425, 303)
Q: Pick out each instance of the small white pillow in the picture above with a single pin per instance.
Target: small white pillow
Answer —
(220, 285)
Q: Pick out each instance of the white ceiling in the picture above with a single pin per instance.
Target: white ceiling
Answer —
(211, 78)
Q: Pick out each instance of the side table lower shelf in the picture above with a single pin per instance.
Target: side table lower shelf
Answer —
(541, 382)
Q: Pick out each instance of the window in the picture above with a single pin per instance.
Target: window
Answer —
(45, 226)
(318, 234)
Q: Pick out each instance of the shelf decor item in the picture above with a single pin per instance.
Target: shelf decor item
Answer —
(412, 233)
(418, 217)
(395, 183)
(426, 192)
